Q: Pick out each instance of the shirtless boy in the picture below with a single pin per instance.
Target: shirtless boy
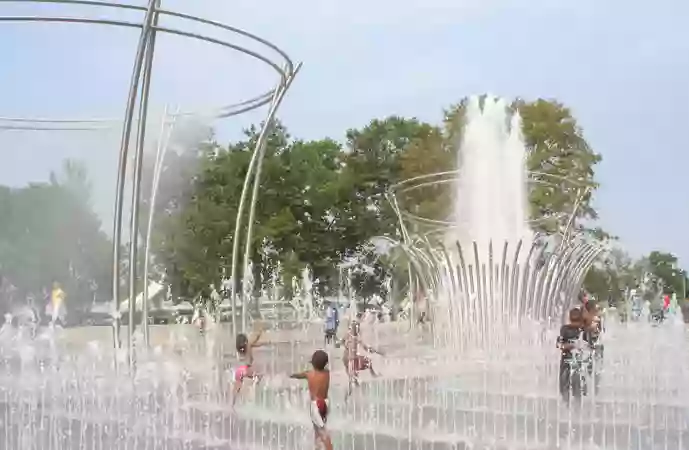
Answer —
(319, 384)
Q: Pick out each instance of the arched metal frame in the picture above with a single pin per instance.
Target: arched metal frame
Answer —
(139, 88)
(451, 176)
(537, 284)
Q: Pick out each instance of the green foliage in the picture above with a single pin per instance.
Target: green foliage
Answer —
(557, 148)
(48, 233)
(665, 268)
(612, 276)
(321, 202)
(618, 273)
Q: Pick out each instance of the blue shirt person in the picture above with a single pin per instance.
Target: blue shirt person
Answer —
(332, 321)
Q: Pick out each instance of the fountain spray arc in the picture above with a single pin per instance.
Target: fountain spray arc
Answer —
(426, 398)
(484, 268)
(148, 24)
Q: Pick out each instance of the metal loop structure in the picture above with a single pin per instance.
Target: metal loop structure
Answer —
(480, 290)
(134, 121)
(449, 177)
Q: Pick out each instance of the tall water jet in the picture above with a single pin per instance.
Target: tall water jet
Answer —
(484, 277)
(490, 199)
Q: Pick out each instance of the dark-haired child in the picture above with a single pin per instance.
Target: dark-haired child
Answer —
(319, 384)
(353, 361)
(245, 356)
(592, 334)
(570, 334)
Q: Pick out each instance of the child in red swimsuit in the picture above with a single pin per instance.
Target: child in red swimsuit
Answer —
(319, 384)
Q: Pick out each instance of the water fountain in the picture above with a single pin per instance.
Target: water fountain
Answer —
(306, 307)
(499, 294)
(468, 391)
(487, 379)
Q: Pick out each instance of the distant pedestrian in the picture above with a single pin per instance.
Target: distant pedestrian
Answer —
(57, 310)
(332, 322)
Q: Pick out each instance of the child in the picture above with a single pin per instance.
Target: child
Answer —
(319, 384)
(592, 335)
(567, 343)
(353, 362)
(246, 360)
(332, 321)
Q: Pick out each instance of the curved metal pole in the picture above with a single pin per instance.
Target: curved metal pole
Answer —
(136, 185)
(235, 238)
(122, 167)
(95, 124)
(396, 187)
(161, 151)
(43, 128)
(56, 121)
(148, 28)
(123, 23)
(572, 216)
(106, 4)
(392, 200)
(259, 153)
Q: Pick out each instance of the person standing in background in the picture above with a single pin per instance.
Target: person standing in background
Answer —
(332, 322)
(421, 307)
(57, 305)
(593, 330)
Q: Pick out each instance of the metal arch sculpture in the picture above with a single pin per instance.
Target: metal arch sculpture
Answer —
(482, 288)
(451, 176)
(139, 87)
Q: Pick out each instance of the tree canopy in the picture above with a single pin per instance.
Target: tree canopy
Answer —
(664, 266)
(322, 201)
(49, 233)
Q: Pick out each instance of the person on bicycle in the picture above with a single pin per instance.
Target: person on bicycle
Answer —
(570, 357)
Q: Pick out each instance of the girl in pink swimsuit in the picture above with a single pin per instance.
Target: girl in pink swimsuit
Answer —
(246, 360)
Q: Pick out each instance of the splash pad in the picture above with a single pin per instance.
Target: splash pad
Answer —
(55, 398)
(484, 377)
(150, 19)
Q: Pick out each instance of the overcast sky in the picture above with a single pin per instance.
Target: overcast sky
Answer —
(622, 66)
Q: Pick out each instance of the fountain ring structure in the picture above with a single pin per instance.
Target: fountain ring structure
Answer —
(504, 396)
(452, 176)
(149, 27)
(498, 282)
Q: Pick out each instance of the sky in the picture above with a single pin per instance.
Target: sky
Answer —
(621, 66)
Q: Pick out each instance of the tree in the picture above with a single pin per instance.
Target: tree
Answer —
(433, 150)
(321, 203)
(378, 157)
(612, 277)
(557, 151)
(49, 232)
(186, 151)
(664, 266)
(558, 148)
(299, 217)
(373, 165)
